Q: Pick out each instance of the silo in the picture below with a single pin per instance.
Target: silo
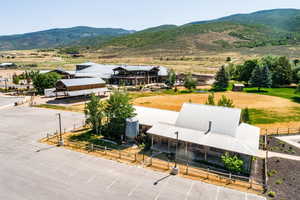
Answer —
(132, 128)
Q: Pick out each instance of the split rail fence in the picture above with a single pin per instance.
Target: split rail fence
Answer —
(146, 160)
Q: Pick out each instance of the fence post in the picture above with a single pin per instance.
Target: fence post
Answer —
(120, 154)
(92, 147)
(187, 169)
(251, 183)
(277, 131)
(207, 173)
(143, 158)
(105, 150)
(135, 157)
(288, 131)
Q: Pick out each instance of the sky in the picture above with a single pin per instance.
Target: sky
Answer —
(22, 16)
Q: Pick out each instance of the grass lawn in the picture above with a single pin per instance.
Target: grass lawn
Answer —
(264, 116)
(288, 93)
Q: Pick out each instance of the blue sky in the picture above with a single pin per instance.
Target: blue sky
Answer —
(20, 16)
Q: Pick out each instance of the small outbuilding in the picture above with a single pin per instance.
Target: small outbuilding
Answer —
(238, 87)
(80, 86)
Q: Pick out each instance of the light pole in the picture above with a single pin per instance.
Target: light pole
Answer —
(175, 170)
(61, 142)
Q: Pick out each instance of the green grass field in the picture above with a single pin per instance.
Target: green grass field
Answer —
(288, 93)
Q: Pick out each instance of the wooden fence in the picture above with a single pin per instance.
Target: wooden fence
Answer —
(280, 131)
(145, 160)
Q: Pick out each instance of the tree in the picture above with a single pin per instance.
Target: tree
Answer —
(298, 88)
(118, 109)
(256, 78)
(282, 74)
(232, 163)
(246, 69)
(245, 116)
(211, 99)
(225, 102)
(16, 79)
(189, 82)
(171, 78)
(43, 81)
(261, 77)
(221, 80)
(266, 77)
(94, 112)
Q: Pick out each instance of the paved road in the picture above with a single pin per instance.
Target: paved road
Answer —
(56, 173)
(9, 101)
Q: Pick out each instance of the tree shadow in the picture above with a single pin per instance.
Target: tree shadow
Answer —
(296, 99)
(256, 91)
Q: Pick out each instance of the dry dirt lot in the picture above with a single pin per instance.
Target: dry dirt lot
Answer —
(241, 100)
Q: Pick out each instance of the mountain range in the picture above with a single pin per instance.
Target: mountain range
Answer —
(262, 28)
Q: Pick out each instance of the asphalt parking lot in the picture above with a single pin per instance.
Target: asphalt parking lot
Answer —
(57, 173)
(6, 101)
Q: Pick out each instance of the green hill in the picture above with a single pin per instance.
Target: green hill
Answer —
(209, 36)
(285, 19)
(57, 37)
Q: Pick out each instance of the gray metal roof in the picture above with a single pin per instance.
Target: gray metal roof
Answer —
(192, 123)
(106, 71)
(81, 81)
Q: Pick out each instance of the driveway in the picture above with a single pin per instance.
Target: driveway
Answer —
(56, 173)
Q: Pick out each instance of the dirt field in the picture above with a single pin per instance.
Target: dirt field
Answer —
(9, 73)
(241, 100)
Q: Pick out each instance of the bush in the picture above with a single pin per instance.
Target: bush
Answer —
(271, 194)
(232, 163)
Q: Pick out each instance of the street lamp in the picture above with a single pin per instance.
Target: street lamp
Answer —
(175, 170)
(61, 141)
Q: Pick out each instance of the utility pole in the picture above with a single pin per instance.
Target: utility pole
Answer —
(61, 142)
(175, 170)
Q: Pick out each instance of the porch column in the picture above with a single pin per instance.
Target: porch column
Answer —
(205, 153)
(151, 141)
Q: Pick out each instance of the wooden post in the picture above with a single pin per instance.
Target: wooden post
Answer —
(120, 154)
(135, 157)
(105, 150)
(207, 173)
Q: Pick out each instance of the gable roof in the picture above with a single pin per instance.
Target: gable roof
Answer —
(81, 81)
(196, 116)
(192, 123)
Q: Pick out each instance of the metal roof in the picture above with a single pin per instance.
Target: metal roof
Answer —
(81, 81)
(106, 71)
(197, 116)
(192, 123)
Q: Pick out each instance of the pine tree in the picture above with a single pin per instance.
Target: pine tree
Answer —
(225, 102)
(245, 116)
(221, 80)
(266, 77)
(211, 100)
(256, 78)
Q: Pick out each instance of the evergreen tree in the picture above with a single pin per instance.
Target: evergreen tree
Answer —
(225, 102)
(266, 77)
(246, 70)
(211, 99)
(221, 80)
(256, 78)
(245, 116)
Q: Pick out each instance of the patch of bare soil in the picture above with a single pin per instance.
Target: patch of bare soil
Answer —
(284, 178)
(279, 146)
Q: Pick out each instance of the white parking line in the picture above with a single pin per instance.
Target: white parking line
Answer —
(91, 179)
(189, 191)
(162, 188)
(137, 185)
(112, 183)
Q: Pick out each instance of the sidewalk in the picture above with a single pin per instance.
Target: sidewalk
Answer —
(271, 154)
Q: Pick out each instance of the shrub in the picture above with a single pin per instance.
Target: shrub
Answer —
(271, 194)
(232, 163)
